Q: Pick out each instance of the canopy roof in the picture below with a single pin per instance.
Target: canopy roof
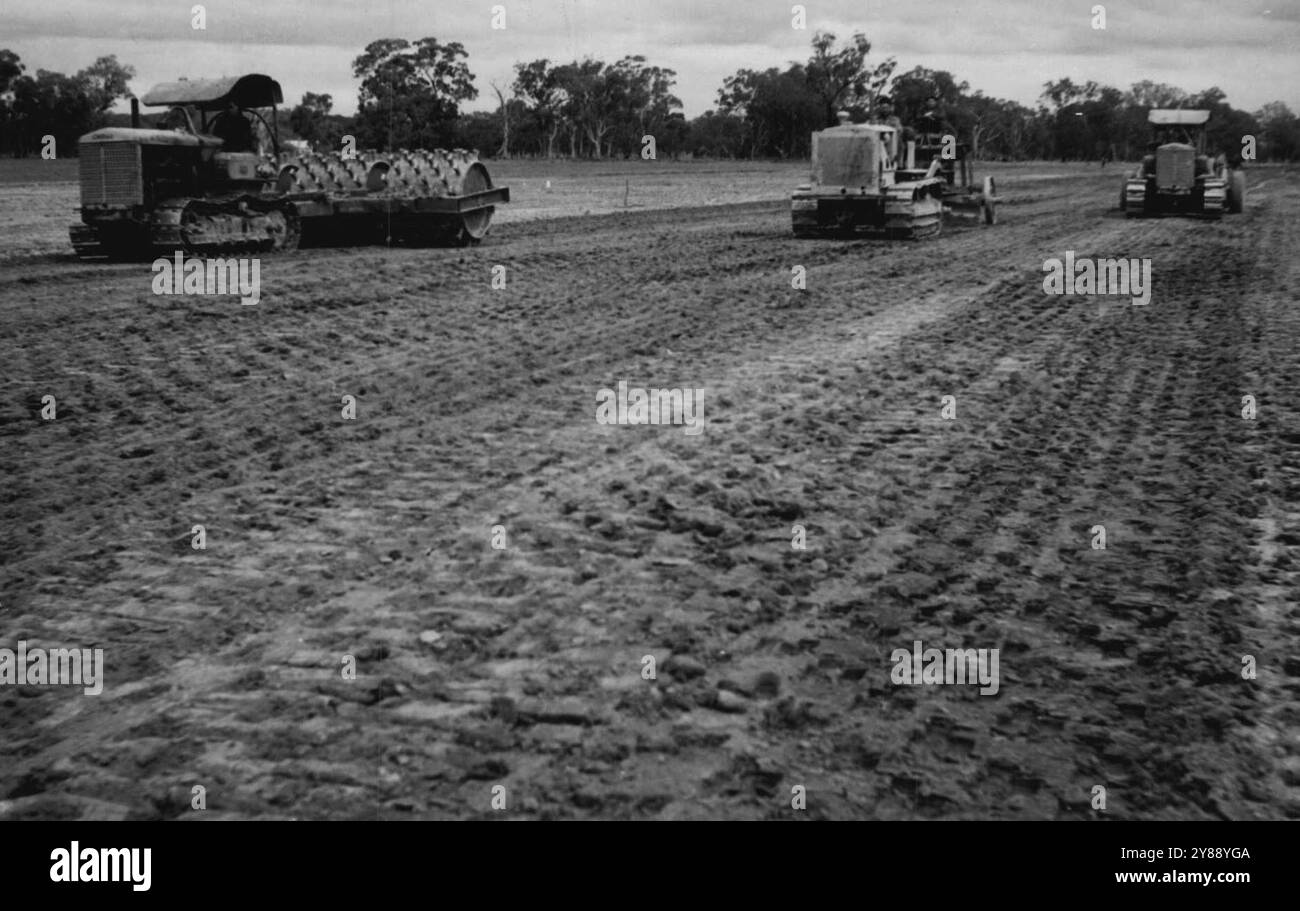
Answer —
(251, 91)
(1166, 117)
(861, 128)
(148, 137)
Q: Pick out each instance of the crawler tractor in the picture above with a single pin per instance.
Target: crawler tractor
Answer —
(1178, 175)
(228, 185)
(859, 184)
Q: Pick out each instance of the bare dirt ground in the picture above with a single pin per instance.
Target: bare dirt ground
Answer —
(522, 667)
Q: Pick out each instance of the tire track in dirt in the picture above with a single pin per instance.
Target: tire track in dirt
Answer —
(625, 541)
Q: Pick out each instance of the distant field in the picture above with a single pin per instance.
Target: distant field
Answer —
(540, 188)
(37, 170)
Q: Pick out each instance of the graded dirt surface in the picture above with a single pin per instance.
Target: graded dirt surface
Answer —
(523, 667)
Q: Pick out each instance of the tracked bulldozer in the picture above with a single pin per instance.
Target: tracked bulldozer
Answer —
(1177, 175)
(228, 185)
(860, 184)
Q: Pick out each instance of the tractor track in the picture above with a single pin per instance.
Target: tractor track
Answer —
(476, 408)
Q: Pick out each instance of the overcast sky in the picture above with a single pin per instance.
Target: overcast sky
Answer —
(1007, 48)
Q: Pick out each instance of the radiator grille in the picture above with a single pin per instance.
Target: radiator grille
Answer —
(1175, 166)
(110, 174)
(845, 159)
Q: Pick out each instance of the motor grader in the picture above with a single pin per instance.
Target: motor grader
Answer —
(228, 185)
(1178, 175)
(860, 183)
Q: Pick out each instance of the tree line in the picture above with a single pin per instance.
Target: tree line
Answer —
(54, 104)
(411, 94)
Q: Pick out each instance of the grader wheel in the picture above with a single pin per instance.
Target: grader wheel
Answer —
(1237, 192)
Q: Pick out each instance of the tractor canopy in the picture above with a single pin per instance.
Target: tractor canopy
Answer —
(251, 91)
(1167, 117)
(1185, 128)
(148, 137)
